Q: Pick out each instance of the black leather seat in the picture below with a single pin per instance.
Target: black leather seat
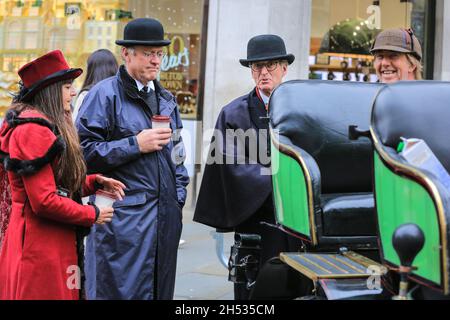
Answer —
(406, 193)
(312, 119)
(348, 214)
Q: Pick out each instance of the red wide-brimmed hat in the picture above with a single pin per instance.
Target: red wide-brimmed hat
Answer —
(44, 71)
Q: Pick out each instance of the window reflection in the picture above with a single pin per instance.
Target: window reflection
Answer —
(342, 32)
(29, 28)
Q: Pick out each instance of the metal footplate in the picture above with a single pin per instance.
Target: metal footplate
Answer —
(331, 266)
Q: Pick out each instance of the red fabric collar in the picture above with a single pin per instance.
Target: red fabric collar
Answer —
(32, 113)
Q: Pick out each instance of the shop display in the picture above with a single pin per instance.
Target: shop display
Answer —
(342, 32)
(29, 28)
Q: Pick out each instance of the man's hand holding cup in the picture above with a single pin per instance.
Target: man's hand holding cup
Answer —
(150, 140)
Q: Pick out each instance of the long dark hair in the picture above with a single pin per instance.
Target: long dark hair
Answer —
(101, 64)
(71, 169)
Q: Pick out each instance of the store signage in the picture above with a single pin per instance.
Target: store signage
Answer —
(173, 81)
(179, 72)
(176, 57)
(173, 64)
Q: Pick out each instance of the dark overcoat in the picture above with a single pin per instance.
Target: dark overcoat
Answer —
(135, 256)
(231, 193)
(236, 190)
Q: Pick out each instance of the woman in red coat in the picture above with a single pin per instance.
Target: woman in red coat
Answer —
(46, 171)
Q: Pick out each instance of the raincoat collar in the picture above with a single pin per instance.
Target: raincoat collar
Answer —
(166, 104)
(131, 89)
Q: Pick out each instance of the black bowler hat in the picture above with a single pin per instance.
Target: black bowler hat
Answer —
(264, 48)
(143, 32)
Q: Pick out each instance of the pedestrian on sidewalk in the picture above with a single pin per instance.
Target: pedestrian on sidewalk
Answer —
(135, 256)
(101, 64)
(46, 173)
(238, 196)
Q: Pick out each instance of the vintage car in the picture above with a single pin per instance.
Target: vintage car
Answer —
(413, 199)
(373, 225)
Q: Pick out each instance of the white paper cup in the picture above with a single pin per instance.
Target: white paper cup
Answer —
(85, 200)
(160, 122)
(103, 200)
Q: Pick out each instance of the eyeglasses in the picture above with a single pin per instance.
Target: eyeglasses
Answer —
(270, 66)
(154, 54)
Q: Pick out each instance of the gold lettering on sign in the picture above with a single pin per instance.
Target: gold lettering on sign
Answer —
(172, 80)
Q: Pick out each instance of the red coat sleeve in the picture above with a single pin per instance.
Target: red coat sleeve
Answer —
(31, 142)
(89, 185)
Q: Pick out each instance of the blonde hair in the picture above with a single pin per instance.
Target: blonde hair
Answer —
(419, 68)
(284, 62)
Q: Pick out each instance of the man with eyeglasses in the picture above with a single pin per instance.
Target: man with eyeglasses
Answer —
(135, 256)
(237, 196)
(397, 56)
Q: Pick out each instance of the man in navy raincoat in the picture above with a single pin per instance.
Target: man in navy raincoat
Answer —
(135, 256)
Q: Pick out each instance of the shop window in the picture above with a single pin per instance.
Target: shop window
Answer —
(31, 40)
(182, 22)
(14, 35)
(342, 33)
(55, 40)
(32, 34)
(79, 27)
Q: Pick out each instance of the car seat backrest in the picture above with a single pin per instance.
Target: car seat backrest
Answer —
(415, 109)
(315, 116)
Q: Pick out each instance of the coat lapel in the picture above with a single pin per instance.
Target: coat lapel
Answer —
(260, 119)
(258, 113)
(166, 100)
